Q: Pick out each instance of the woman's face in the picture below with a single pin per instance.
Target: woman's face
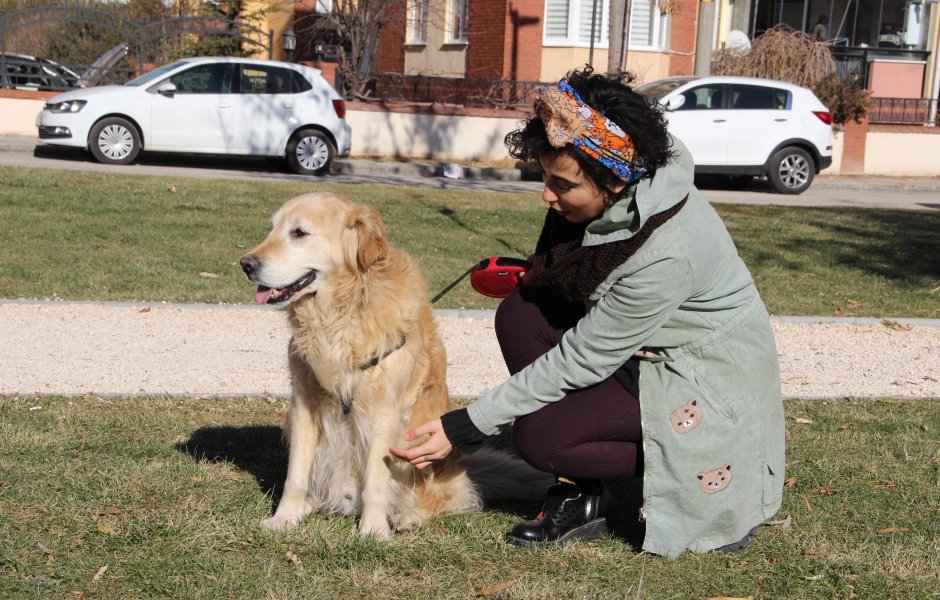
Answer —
(569, 191)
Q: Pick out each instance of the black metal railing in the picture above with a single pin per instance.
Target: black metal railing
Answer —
(903, 111)
(421, 89)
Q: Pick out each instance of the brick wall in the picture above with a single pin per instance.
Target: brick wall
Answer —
(682, 38)
(853, 147)
(391, 52)
(505, 39)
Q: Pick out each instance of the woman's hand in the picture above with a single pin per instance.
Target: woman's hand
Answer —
(435, 448)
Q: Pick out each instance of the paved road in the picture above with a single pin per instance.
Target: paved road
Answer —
(881, 192)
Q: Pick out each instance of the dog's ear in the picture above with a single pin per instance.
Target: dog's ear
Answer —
(368, 242)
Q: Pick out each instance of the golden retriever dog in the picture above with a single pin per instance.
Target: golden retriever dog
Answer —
(367, 364)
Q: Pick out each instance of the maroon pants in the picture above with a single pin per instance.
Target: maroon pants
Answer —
(591, 433)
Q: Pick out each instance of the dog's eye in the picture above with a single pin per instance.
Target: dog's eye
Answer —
(298, 233)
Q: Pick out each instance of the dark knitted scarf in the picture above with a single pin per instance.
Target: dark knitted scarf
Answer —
(574, 271)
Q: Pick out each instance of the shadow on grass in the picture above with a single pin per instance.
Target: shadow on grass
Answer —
(255, 449)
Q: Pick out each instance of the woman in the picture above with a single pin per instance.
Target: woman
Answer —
(638, 344)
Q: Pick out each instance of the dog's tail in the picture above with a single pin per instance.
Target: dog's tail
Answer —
(499, 475)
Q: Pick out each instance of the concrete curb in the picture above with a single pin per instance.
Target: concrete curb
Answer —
(361, 167)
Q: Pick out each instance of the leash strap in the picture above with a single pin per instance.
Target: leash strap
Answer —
(454, 282)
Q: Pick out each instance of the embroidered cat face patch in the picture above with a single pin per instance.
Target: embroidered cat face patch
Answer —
(715, 480)
(686, 418)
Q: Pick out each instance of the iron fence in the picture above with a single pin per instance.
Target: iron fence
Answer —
(904, 111)
(489, 93)
(73, 36)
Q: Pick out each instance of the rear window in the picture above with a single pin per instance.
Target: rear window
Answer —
(757, 97)
(265, 79)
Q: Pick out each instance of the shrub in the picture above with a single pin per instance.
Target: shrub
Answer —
(844, 100)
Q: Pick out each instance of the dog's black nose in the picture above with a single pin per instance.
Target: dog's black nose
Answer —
(250, 264)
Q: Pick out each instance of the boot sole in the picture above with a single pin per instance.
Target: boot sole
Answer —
(590, 530)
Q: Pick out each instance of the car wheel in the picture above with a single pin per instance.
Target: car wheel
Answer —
(791, 170)
(114, 141)
(310, 152)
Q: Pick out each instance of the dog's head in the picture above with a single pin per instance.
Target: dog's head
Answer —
(314, 238)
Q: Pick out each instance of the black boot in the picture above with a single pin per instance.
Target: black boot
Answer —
(568, 513)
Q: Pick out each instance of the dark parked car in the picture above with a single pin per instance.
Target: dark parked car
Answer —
(22, 72)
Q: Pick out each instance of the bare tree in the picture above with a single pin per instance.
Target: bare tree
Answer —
(356, 25)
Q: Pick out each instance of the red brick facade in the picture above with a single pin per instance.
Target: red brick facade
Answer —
(390, 57)
(853, 147)
(505, 39)
(682, 38)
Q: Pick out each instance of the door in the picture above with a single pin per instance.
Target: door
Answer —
(701, 122)
(760, 119)
(264, 109)
(198, 117)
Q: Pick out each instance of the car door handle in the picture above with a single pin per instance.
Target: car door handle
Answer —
(719, 120)
(781, 120)
(224, 105)
(288, 106)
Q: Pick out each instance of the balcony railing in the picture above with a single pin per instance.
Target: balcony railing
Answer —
(905, 111)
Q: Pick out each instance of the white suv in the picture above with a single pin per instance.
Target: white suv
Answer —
(215, 105)
(742, 126)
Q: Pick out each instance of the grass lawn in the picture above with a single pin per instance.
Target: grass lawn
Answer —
(166, 493)
(94, 236)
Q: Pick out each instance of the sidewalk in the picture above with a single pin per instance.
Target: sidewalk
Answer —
(419, 168)
(147, 349)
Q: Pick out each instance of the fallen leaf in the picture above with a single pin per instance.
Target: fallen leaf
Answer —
(814, 577)
(852, 577)
(809, 506)
(172, 190)
(292, 558)
(493, 590)
(99, 574)
(110, 512)
(809, 551)
(784, 524)
(196, 479)
(145, 309)
(890, 530)
(803, 421)
(888, 488)
(823, 491)
(845, 426)
(79, 595)
(44, 549)
(106, 528)
(790, 482)
(208, 275)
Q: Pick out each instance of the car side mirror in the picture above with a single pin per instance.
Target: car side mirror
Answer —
(166, 89)
(675, 103)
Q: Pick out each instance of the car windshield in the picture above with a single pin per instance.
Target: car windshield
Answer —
(657, 89)
(146, 78)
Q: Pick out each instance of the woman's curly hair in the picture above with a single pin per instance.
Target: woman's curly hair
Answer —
(611, 96)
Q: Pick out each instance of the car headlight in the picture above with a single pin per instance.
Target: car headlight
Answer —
(69, 106)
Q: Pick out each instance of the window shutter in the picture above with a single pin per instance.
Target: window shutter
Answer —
(584, 23)
(641, 23)
(556, 20)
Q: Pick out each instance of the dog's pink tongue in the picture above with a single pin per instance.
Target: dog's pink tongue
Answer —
(263, 295)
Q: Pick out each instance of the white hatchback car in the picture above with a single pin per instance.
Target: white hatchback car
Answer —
(215, 105)
(741, 127)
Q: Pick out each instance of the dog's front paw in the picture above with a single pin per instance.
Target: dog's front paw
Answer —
(377, 528)
(277, 523)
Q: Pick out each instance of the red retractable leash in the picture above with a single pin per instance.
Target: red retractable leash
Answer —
(495, 276)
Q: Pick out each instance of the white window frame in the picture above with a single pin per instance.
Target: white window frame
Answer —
(457, 32)
(639, 9)
(324, 6)
(418, 22)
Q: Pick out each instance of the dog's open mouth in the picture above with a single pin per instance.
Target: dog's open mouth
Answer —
(268, 295)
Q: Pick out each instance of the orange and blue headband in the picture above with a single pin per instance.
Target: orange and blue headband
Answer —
(568, 120)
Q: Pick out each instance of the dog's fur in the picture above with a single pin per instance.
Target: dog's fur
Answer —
(366, 302)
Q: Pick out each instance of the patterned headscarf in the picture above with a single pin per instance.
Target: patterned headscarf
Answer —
(568, 120)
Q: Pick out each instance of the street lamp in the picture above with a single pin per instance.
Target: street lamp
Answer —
(289, 42)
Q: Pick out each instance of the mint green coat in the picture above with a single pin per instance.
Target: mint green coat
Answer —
(710, 403)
